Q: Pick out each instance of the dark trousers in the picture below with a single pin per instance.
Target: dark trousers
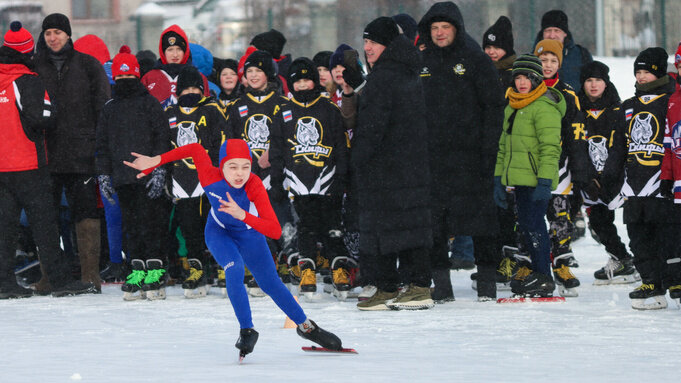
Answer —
(191, 214)
(144, 222)
(32, 191)
(602, 223)
(531, 221)
(387, 276)
(319, 221)
(81, 194)
(560, 224)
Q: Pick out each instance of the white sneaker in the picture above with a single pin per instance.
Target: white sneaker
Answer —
(368, 291)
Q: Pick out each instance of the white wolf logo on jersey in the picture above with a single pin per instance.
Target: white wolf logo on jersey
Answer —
(186, 134)
(258, 131)
(642, 130)
(307, 133)
(598, 151)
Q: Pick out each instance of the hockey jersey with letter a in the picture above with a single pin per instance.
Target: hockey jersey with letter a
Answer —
(308, 149)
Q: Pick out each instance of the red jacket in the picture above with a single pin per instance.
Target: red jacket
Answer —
(671, 165)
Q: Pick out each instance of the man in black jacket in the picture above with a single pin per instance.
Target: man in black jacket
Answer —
(464, 104)
(24, 179)
(389, 162)
(78, 87)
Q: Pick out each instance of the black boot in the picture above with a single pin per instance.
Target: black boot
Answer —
(320, 336)
(537, 285)
(246, 342)
(12, 290)
(442, 292)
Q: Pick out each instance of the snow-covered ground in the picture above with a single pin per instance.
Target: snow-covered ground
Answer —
(596, 337)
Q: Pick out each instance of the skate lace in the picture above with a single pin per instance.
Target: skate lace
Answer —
(646, 286)
(282, 269)
(154, 276)
(522, 273)
(610, 267)
(506, 267)
(195, 274)
(322, 262)
(135, 277)
(308, 277)
(564, 273)
(340, 276)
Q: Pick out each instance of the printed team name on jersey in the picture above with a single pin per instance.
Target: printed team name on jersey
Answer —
(309, 134)
(643, 130)
(257, 133)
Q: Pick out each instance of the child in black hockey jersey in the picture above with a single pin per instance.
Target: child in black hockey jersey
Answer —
(133, 121)
(308, 154)
(601, 107)
(194, 119)
(653, 222)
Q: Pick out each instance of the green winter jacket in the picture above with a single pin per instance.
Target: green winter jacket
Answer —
(532, 148)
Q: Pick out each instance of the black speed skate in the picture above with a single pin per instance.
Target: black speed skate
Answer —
(319, 335)
(536, 285)
(246, 342)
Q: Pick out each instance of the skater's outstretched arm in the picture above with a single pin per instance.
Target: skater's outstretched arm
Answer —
(208, 173)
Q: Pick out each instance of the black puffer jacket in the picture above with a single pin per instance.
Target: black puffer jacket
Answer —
(465, 111)
(389, 155)
(78, 93)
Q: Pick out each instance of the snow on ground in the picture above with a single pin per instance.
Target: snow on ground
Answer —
(595, 337)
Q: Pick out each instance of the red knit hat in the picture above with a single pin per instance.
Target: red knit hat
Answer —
(242, 61)
(18, 38)
(234, 148)
(125, 63)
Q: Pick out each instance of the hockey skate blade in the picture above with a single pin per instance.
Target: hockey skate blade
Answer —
(566, 292)
(134, 296)
(156, 295)
(340, 295)
(618, 280)
(311, 297)
(199, 292)
(659, 302)
(256, 292)
(531, 300)
(326, 350)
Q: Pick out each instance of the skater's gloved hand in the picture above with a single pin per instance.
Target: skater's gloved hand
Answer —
(499, 193)
(667, 189)
(353, 71)
(106, 190)
(156, 183)
(543, 190)
(592, 190)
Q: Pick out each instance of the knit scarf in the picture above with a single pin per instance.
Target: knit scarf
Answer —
(520, 100)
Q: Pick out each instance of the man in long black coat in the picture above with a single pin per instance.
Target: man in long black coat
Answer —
(389, 161)
(464, 112)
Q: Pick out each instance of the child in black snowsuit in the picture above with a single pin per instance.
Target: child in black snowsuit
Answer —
(133, 121)
(308, 154)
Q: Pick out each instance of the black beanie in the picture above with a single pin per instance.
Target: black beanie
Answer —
(408, 25)
(261, 60)
(500, 35)
(189, 76)
(595, 69)
(530, 66)
(271, 41)
(654, 60)
(302, 68)
(337, 58)
(382, 30)
(147, 61)
(322, 59)
(57, 21)
(172, 38)
(220, 65)
(555, 18)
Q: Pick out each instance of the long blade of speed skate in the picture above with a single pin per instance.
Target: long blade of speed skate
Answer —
(528, 300)
(322, 349)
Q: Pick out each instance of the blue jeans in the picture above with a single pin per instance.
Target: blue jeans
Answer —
(533, 227)
(462, 248)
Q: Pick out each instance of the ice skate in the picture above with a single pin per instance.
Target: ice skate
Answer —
(293, 268)
(565, 280)
(340, 270)
(248, 337)
(642, 295)
(521, 271)
(323, 266)
(113, 273)
(195, 285)
(616, 272)
(536, 285)
(308, 279)
(283, 268)
(675, 295)
(156, 280)
(222, 283)
(13, 291)
(254, 290)
(413, 298)
(310, 331)
(132, 288)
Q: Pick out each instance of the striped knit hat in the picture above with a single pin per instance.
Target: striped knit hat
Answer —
(18, 38)
(530, 66)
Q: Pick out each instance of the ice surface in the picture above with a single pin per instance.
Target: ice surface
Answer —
(596, 337)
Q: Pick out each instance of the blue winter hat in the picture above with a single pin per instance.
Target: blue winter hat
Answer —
(337, 56)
